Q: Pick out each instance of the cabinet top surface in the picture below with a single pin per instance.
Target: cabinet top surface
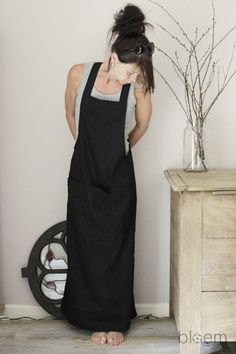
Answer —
(211, 180)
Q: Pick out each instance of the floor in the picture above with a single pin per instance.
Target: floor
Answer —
(145, 336)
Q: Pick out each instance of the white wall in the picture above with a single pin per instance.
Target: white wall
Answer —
(40, 41)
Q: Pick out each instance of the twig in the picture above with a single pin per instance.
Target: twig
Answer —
(171, 90)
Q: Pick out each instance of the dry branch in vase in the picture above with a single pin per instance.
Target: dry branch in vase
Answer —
(196, 85)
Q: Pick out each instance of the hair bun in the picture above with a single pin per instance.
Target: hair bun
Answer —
(129, 21)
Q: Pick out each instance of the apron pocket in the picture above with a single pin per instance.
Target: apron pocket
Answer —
(89, 194)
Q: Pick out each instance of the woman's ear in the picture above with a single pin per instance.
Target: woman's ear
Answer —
(114, 58)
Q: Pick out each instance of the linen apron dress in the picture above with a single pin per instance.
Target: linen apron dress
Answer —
(101, 213)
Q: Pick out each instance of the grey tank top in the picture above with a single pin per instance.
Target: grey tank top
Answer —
(131, 102)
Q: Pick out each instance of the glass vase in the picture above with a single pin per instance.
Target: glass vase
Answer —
(194, 147)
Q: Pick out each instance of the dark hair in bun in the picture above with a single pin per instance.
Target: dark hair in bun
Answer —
(129, 27)
(129, 22)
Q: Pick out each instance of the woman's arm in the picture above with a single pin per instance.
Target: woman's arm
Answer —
(143, 112)
(73, 81)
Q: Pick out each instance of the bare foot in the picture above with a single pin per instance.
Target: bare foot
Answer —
(99, 337)
(115, 338)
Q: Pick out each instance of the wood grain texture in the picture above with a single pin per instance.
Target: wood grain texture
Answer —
(147, 336)
(219, 215)
(219, 314)
(60, 337)
(211, 180)
(219, 265)
(203, 255)
(185, 267)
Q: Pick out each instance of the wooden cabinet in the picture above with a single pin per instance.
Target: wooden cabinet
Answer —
(203, 256)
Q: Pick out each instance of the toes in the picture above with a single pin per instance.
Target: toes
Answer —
(122, 338)
(110, 340)
(114, 340)
(98, 339)
(103, 340)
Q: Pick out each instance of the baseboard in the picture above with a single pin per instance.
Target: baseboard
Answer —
(37, 312)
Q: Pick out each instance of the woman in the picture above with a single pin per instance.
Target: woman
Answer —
(101, 207)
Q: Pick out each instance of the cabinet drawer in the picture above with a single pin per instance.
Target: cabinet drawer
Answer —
(219, 314)
(219, 214)
(219, 264)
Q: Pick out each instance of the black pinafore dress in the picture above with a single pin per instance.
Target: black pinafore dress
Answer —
(101, 213)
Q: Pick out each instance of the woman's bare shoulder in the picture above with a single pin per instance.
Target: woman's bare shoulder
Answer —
(75, 74)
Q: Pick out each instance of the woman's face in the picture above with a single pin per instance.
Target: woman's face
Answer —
(125, 73)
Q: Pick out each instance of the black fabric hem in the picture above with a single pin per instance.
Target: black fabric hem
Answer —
(102, 327)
